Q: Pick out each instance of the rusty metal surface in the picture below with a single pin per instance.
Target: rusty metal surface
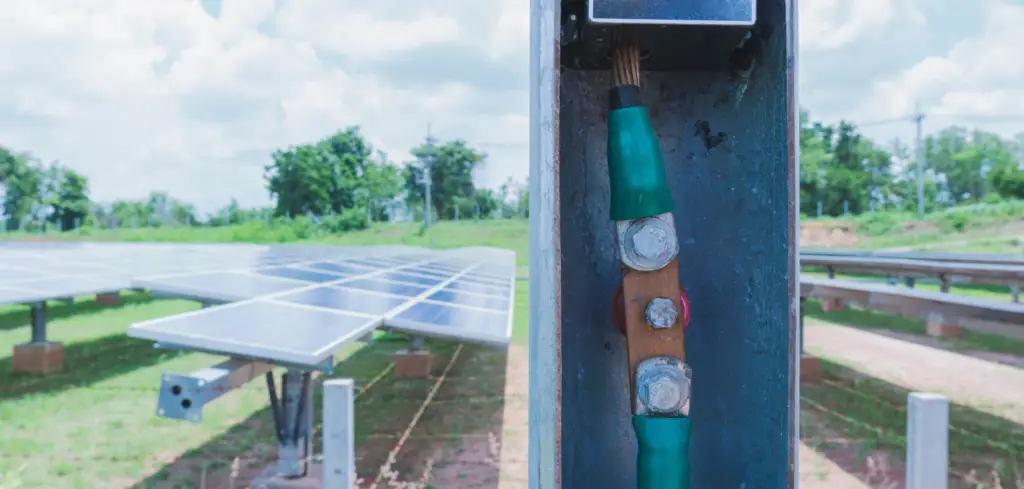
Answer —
(731, 173)
(920, 304)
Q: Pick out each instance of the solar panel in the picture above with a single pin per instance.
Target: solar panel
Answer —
(220, 286)
(454, 322)
(87, 268)
(268, 330)
(411, 278)
(311, 276)
(287, 304)
(341, 299)
(464, 286)
(385, 286)
(422, 296)
(451, 297)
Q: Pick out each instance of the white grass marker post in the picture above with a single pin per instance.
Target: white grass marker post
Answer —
(927, 441)
(339, 434)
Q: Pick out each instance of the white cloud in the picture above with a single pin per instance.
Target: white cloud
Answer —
(981, 75)
(145, 95)
(956, 58)
(829, 25)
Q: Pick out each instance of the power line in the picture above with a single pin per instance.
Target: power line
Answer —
(918, 119)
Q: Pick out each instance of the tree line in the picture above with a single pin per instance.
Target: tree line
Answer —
(842, 172)
(340, 179)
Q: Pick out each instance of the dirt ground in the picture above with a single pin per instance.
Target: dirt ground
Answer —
(472, 435)
(826, 234)
(987, 386)
(989, 390)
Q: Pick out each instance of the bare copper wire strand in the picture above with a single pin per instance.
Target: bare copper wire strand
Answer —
(625, 60)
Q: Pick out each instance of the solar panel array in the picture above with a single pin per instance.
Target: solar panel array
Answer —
(286, 304)
(33, 272)
(300, 313)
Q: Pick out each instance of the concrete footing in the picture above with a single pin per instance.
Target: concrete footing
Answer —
(810, 368)
(109, 299)
(943, 330)
(270, 480)
(412, 363)
(832, 305)
(38, 358)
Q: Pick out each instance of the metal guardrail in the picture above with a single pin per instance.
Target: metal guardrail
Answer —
(996, 270)
(986, 315)
(992, 259)
(930, 306)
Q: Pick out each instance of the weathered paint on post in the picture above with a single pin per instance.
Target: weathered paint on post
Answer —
(545, 252)
(732, 169)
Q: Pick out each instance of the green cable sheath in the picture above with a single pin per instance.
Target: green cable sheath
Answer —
(662, 459)
(635, 169)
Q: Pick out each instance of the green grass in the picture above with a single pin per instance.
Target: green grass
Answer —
(870, 415)
(94, 424)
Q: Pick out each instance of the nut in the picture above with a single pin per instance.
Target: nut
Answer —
(661, 313)
(662, 394)
(651, 242)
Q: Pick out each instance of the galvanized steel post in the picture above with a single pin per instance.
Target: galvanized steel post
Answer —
(726, 120)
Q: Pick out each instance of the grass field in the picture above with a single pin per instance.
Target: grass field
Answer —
(94, 425)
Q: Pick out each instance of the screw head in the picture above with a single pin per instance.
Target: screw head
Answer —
(661, 313)
(651, 242)
(662, 394)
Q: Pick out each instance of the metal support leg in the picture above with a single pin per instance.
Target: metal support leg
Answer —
(944, 283)
(909, 281)
(293, 420)
(892, 280)
(415, 343)
(1015, 292)
(39, 322)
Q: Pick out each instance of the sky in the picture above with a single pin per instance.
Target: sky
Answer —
(190, 97)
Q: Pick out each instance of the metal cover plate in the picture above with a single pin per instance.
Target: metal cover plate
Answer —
(674, 12)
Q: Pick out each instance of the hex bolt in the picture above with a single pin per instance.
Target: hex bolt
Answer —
(651, 242)
(661, 313)
(661, 394)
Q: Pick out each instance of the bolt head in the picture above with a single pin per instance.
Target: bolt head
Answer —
(661, 313)
(651, 242)
(662, 394)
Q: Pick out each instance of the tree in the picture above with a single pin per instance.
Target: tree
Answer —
(963, 160)
(841, 169)
(486, 202)
(22, 181)
(451, 171)
(382, 182)
(334, 174)
(70, 198)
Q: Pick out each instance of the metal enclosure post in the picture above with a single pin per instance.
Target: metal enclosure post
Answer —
(39, 322)
(545, 428)
(730, 150)
(339, 434)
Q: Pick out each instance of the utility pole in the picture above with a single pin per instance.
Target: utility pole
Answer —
(919, 149)
(427, 165)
